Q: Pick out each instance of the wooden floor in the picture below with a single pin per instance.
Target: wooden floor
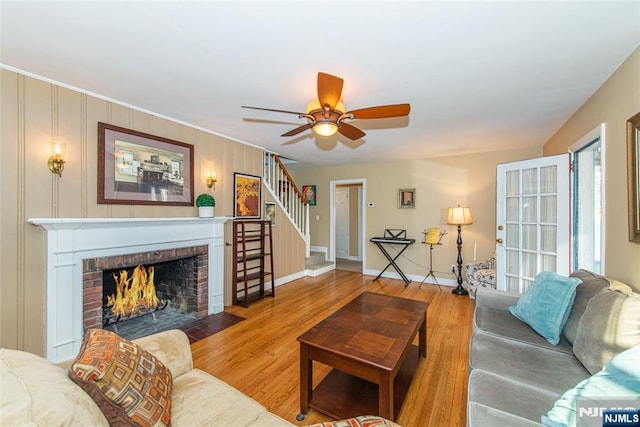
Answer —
(260, 355)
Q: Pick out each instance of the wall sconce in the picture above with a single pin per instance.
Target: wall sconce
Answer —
(56, 161)
(211, 180)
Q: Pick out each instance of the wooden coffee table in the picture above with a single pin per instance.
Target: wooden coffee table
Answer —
(368, 343)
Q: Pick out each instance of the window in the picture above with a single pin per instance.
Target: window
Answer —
(588, 202)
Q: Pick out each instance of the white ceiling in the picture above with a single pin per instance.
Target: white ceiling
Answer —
(479, 75)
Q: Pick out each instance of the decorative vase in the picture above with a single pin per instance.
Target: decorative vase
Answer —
(205, 211)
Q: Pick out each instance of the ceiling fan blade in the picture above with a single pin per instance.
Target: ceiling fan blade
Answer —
(298, 129)
(350, 131)
(271, 109)
(329, 90)
(381, 111)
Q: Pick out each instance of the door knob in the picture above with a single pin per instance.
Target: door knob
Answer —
(499, 240)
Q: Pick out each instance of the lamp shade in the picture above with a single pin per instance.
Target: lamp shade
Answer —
(459, 216)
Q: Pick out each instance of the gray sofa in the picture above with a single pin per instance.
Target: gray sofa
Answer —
(515, 375)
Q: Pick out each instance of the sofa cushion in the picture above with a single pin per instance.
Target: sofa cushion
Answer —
(479, 415)
(504, 324)
(591, 285)
(201, 399)
(547, 303)
(515, 402)
(619, 378)
(173, 349)
(609, 325)
(539, 367)
(36, 392)
(129, 384)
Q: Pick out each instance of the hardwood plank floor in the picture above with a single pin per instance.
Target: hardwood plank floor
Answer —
(260, 355)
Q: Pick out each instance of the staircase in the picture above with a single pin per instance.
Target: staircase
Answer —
(288, 196)
(317, 264)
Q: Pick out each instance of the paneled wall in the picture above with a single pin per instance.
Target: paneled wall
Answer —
(33, 114)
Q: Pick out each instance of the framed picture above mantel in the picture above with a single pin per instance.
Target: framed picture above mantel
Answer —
(136, 168)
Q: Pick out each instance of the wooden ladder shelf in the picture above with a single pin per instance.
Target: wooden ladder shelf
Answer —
(253, 248)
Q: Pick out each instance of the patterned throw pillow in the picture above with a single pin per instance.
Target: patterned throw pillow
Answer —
(130, 385)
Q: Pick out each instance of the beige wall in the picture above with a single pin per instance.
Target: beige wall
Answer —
(33, 114)
(468, 180)
(613, 104)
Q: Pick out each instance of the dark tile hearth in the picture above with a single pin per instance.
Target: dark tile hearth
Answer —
(158, 321)
(170, 318)
(209, 325)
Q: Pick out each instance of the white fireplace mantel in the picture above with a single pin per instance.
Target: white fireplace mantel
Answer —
(71, 240)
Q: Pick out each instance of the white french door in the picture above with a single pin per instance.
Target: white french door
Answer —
(532, 220)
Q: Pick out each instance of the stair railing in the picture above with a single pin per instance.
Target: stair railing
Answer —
(288, 196)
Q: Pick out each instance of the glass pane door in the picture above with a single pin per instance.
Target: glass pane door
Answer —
(532, 215)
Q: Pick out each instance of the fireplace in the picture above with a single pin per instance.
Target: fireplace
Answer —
(80, 250)
(143, 293)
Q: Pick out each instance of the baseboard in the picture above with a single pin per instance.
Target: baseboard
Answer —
(366, 272)
(289, 278)
(412, 277)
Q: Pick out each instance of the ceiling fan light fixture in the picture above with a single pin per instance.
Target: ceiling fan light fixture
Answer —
(325, 128)
(327, 115)
(326, 121)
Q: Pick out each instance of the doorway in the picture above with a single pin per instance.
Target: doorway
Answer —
(347, 224)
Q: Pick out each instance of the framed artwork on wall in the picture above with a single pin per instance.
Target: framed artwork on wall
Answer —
(137, 168)
(247, 191)
(309, 194)
(270, 212)
(407, 198)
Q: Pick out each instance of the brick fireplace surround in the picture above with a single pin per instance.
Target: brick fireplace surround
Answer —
(93, 272)
(70, 241)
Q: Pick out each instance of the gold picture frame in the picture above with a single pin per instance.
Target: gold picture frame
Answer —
(633, 176)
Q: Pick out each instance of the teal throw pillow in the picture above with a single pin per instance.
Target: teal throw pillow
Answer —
(620, 378)
(547, 303)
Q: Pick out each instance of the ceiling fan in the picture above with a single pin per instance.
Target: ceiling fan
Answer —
(327, 114)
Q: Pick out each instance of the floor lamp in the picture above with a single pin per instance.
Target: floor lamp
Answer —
(459, 216)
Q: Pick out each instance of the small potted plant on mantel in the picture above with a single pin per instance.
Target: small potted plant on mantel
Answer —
(205, 203)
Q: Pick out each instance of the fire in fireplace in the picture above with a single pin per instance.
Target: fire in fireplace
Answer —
(177, 278)
(134, 296)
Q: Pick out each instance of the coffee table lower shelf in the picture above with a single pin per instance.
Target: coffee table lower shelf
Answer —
(340, 395)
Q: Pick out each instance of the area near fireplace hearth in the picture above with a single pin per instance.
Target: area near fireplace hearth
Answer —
(80, 250)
